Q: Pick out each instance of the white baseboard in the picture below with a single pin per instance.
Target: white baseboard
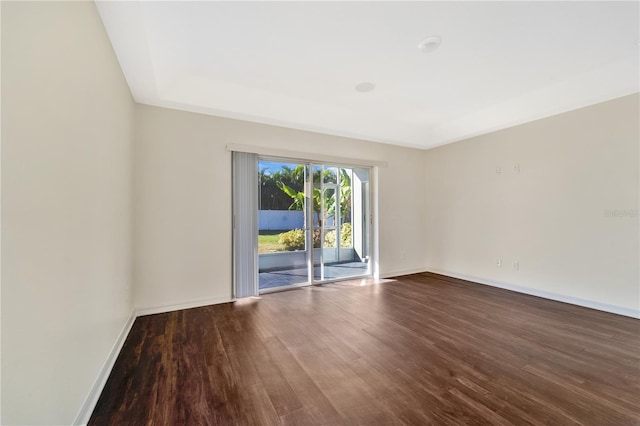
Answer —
(83, 416)
(404, 272)
(176, 307)
(614, 309)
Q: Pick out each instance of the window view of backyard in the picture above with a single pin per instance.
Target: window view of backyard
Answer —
(285, 210)
(279, 212)
(283, 240)
(282, 190)
(269, 242)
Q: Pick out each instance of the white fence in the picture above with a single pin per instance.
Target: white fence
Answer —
(280, 220)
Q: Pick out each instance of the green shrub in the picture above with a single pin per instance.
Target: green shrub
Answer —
(292, 240)
(345, 237)
(330, 239)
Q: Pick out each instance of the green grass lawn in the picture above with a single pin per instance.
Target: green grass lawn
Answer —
(268, 241)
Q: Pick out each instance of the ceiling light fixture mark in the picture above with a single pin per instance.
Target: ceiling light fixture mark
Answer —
(365, 86)
(430, 44)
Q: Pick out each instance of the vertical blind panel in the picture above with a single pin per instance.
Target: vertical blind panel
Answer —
(245, 224)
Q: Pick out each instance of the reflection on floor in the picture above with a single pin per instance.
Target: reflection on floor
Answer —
(299, 276)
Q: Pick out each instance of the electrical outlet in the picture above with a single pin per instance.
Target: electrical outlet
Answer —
(499, 262)
(516, 168)
(498, 170)
(516, 266)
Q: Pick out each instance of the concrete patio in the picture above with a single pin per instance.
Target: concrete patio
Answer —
(288, 277)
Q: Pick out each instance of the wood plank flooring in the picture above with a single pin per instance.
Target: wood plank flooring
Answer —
(421, 349)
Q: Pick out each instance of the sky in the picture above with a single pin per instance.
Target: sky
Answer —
(273, 166)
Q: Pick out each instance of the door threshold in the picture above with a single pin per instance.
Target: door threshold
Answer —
(283, 288)
(315, 283)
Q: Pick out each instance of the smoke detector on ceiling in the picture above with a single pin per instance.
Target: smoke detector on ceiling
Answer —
(430, 44)
(364, 87)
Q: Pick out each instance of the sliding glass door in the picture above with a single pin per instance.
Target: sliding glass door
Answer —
(313, 223)
(283, 247)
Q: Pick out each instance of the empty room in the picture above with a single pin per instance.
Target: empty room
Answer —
(320, 213)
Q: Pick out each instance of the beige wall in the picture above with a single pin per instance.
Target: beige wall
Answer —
(67, 128)
(183, 201)
(551, 215)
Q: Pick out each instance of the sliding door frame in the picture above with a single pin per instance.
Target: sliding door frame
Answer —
(372, 237)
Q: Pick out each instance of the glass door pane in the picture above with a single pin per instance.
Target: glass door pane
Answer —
(341, 228)
(317, 231)
(283, 251)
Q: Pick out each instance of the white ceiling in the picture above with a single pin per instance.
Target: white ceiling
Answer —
(296, 64)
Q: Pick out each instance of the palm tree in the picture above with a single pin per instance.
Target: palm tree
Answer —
(329, 207)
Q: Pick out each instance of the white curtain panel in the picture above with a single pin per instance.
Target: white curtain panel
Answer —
(245, 224)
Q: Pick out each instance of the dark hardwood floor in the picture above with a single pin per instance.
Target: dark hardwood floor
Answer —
(423, 349)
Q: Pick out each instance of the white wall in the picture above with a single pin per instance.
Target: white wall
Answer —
(0, 215)
(551, 215)
(183, 201)
(67, 128)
